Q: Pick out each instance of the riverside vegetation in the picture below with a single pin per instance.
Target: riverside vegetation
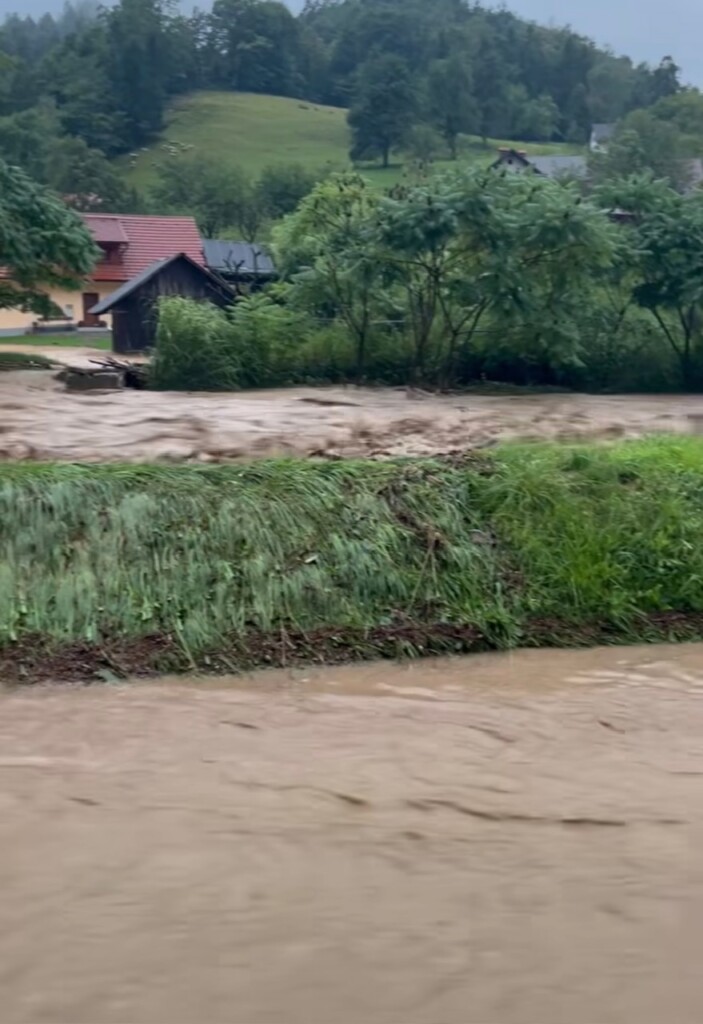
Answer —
(469, 275)
(110, 570)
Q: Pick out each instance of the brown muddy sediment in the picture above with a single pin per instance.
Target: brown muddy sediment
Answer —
(501, 839)
(42, 421)
(37, 659)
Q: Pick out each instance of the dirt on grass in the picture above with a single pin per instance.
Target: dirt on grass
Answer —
(36, 659)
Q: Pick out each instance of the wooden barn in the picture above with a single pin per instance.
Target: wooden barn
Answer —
(134, 305)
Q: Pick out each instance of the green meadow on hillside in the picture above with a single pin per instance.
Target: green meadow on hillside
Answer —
(254, 131)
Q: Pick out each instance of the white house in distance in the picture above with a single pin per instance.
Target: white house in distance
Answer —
(601, 134)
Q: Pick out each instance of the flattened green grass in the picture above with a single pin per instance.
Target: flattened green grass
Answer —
(223, 565)
(23, 361)
(60, 340)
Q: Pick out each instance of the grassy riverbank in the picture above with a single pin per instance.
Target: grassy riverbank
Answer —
(108, 570)
(23, 361)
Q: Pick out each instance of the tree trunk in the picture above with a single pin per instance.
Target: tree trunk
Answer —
(686, 363)
(360, 355)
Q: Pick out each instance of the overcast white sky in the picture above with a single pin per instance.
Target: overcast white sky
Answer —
(643, 29)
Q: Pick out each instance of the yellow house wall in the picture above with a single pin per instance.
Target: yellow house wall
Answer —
(16, 320)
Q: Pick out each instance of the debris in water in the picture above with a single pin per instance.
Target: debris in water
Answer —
(110, 374)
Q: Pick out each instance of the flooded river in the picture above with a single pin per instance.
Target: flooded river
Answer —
(503, 839)
(41, 420)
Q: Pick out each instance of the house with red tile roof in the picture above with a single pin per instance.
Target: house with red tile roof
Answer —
(128, 244)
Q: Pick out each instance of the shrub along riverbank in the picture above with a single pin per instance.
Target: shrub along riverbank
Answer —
(467, 276)
(110, 570)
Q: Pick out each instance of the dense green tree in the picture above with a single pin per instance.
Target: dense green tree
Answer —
(423, 144)
(611, 85)
(86, 179)
(535, 120)
(324, 247)
(491, 81)
(217, 195)
(645, 143)
(33, 141)
(570, 88)
(282, 186)
(672, 290)
(384, 106)
(42, 243)
(665, 270)
(137, 65)
(27, 139)
(222, 197)
(183, 66)
(638, 194)
(452, 106)
(358, 29)
(508, 249)
(254, 46)
(77, 74)
(665, 80)
(433, 268)
(683, 111)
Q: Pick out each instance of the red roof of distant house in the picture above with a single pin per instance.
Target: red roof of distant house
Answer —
(144, 240)
(106, 229)
(141, 240)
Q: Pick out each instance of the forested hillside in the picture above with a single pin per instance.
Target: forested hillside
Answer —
(93, 84)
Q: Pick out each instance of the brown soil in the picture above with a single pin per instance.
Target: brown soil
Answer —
(36, 659)
(42, 421)
(504, 839)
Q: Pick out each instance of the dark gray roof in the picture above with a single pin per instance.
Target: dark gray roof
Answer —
(558, 166)
(114, 298)
(238, 258)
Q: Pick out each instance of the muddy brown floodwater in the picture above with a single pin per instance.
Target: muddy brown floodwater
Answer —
(40, 420)
(504, 839)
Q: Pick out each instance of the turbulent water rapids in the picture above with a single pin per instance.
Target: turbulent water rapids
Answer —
(503, 839)
(40, 420)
